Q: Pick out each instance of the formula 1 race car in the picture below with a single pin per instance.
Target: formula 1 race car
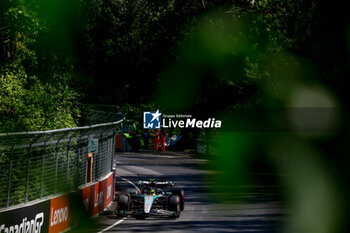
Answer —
(151, 198)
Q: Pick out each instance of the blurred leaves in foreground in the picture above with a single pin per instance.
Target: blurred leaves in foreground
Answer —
(255, 61)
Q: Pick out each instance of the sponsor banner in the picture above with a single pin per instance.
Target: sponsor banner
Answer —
(108, 190)
(28, 219)
(86, 197)
(102, 188)
(59, 214)
(98, 197)
(54, 215)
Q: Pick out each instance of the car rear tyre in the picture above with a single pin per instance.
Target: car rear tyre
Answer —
(181, 194)
(174, 205)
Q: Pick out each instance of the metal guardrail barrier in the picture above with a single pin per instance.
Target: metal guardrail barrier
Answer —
(38, 164)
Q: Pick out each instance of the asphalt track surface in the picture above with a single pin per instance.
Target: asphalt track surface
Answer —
(259, 212)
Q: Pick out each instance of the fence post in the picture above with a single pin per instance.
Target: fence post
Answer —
(57, 150)
(28, 170)
(9, 188)
(78, 156)
(42, 172)
(113, 147)
(108, 153)
(97, 158)
(68, 158)
(101, 155)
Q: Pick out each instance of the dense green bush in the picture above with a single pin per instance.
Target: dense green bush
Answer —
(35, 90)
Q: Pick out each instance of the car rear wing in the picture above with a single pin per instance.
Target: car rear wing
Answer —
(159, 184)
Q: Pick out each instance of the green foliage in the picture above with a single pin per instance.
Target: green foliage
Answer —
(35, 93)
(128, 42)
(288, 23)
(40, 107)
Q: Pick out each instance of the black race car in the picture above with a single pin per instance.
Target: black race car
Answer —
(151, 198)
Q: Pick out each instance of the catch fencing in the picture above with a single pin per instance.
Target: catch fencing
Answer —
(34, 165)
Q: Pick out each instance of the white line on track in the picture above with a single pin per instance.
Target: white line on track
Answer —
(113, 225)
(121, 220)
